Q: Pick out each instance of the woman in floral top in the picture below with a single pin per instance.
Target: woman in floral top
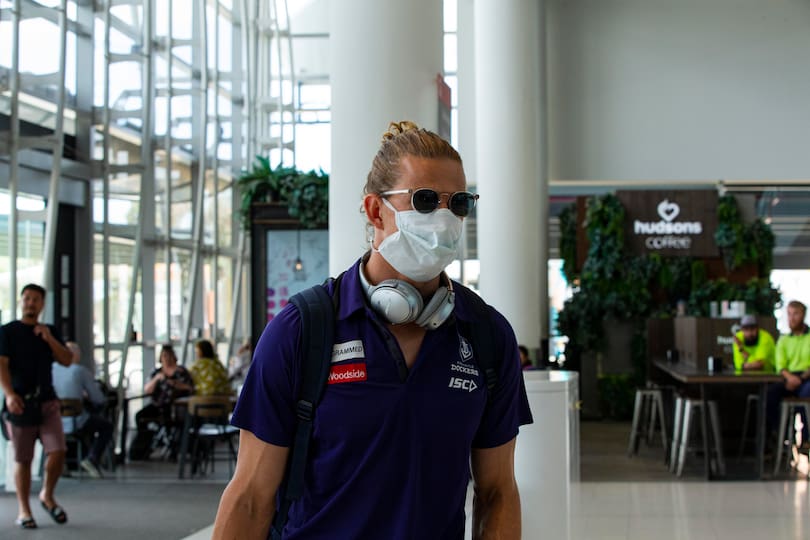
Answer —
(209, 375)
(165, 384)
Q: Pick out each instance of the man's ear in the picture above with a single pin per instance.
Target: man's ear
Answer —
(372, 205)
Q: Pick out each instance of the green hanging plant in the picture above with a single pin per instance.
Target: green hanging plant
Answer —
(306, 195)
(568, 242)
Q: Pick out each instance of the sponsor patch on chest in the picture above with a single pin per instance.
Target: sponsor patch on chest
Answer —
(345, 373)
(348, 351)
(463, 370)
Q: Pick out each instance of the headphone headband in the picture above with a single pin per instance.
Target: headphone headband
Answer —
(399, 302)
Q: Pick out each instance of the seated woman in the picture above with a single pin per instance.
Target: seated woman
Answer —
(209, 375)
(167, 382)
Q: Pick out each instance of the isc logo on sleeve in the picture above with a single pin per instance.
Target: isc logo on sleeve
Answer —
(462, 384)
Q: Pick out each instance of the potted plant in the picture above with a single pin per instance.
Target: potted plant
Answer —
(304, 194)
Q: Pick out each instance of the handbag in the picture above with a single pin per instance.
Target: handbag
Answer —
(32, 411)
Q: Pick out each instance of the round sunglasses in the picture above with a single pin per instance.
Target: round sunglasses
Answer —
(426, 200)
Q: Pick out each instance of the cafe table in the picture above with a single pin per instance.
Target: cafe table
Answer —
(690, 375)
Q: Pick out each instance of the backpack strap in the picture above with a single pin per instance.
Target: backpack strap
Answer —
(317, 312)
(482, 335)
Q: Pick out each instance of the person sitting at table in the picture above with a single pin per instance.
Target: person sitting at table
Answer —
(793, 363)
(209, 375)
(167, 382)
(754, 348)
(76, 382)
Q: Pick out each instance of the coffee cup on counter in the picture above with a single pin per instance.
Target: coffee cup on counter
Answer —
(714, 364)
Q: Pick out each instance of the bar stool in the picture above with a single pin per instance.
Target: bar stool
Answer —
(752, 401)
(685, 407)
(649, 405)
(791, 406)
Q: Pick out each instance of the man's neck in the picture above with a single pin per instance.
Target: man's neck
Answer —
(29, 320)
(800, 331)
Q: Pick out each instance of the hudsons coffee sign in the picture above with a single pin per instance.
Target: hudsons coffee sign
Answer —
(678, 223)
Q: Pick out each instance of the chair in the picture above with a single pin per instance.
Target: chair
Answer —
(206, 424)
(72, 409)
(791, 406)
(684, 409)
(649, 406)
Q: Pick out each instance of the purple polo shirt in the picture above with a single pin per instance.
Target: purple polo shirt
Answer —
(389, 457)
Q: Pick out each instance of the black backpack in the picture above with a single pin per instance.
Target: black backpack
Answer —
(318, 312)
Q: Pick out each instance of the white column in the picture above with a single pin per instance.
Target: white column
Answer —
(384, 59)
(512, 212)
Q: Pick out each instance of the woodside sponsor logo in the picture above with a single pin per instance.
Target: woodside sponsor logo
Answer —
(345, 373)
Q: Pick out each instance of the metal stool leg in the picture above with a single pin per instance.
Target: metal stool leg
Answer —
(688, 409)
(718, 440)
(749, 403)
(658, 403)
(676, 433)
(632, 448)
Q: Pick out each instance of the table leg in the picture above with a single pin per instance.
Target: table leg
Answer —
(763, 391)
(181, 459)
(124, 422)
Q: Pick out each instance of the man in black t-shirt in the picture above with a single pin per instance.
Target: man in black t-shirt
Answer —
(28, 348)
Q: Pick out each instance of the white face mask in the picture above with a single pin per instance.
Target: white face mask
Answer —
(424, 244)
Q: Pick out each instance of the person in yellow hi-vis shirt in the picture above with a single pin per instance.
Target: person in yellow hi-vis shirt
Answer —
(793, 363)
(754, 348)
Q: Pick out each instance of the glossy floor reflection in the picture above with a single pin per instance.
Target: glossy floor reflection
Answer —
(689, 511)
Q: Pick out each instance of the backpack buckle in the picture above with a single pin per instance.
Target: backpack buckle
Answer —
(304, 410)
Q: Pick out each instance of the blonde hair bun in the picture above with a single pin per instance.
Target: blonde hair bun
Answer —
(398, 128)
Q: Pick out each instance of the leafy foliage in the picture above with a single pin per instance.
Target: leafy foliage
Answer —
(740, 244)
(305, 194)
(568, 242)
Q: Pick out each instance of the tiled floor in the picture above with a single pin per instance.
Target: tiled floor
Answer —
(689, 511)
(619, 498)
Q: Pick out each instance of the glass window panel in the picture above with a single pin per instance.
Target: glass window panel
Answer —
(119, 42)
(70, 63)
(39, 46)
(30, 235)
(226, 217)
(450, 15)
(224, 286)
(313, 146)
(162, 287)
(209, 221)
(6, 30)
(180, 274)
(120, 274)
(182, 18)
(224, 62)
(181, 220)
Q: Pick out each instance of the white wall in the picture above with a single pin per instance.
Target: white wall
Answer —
(686, 89)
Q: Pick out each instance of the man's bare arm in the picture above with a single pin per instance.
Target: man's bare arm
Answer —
(496, 502)
(13, 401)
(248, 504)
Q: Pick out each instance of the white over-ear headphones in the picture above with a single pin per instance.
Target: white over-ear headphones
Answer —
(398, 302)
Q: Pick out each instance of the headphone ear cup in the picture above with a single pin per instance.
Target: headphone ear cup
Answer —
(437, 309)
(398, 301)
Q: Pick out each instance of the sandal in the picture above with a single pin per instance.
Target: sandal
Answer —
(26, 523)
(56, 512)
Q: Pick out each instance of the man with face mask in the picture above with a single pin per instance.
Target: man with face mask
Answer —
(754, 347)
(406, 415)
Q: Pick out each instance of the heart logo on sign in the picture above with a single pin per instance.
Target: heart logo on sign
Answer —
(668, 210)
